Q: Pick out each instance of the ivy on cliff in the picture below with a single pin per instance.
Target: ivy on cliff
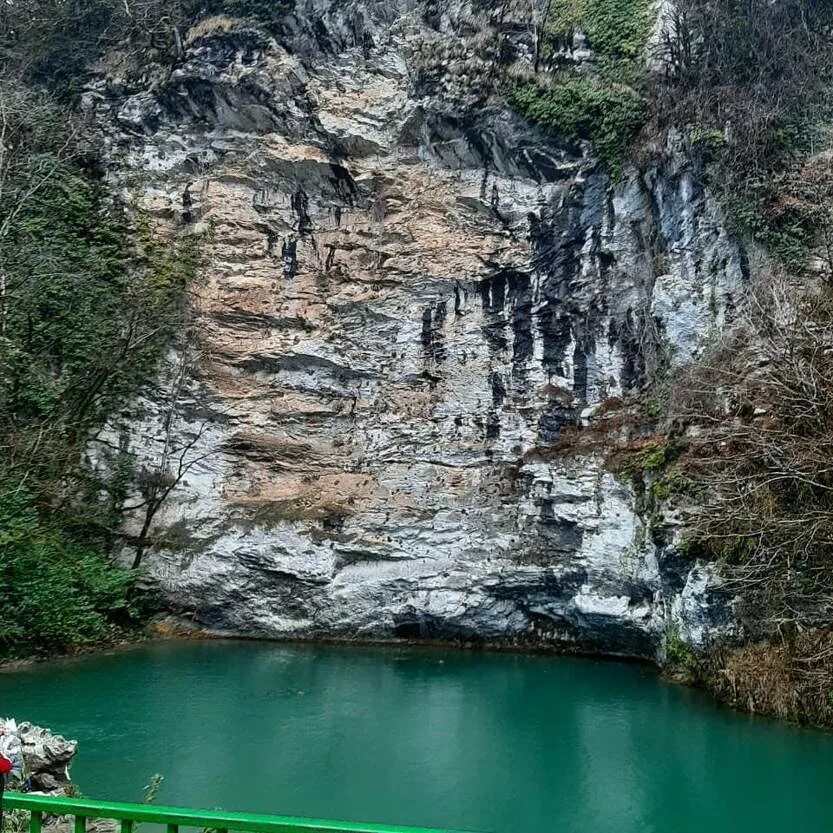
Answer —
(617, 31)
(585, 109)
(605, 106)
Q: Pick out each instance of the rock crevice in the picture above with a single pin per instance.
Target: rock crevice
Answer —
(401, 310)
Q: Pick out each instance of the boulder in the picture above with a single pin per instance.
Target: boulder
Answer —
(47, 758)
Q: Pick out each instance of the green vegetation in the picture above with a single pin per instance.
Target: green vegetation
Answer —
(603, 107)
(55, 592)
(669, 483)
(586, 109)
(679, 654)
(65, 261)
(649, 458)
(89, 301)
(54, 41)
(617, 31)
(562, 18)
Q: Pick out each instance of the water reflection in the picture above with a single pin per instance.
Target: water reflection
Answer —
(490, 742)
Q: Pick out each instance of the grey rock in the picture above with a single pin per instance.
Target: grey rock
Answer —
(413, 296)
(46, 758)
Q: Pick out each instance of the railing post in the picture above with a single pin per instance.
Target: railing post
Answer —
(126, 826)
(35, 821)
(173, 828)
(80, 824)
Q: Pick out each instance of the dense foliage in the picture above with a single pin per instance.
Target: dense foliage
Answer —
(89, 300)
(585, 109)
(616, 29)
(55, 592)
(604, 106)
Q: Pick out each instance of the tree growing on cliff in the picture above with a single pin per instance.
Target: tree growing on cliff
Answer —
(89, 299)
(179, 452)
(763, 406)
(756, 453)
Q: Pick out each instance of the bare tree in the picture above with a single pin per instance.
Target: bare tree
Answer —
(761, 453)
(539, 16)
(180, 448)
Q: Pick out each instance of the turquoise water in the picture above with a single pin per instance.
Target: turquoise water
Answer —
(480, 741)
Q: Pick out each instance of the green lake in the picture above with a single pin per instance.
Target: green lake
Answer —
(506, 743)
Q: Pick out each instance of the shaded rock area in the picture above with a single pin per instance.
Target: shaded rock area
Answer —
(409, 294)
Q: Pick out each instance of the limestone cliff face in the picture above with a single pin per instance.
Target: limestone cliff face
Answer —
(410, 293)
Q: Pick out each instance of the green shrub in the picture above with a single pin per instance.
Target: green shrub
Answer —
(90, 304)
(65, 259)
(585, 109)
(678, 653)
(618, 31)
(650, 459)
(670, 483)
(54, 592)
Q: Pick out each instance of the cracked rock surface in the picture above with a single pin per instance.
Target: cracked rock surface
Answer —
(409, 294)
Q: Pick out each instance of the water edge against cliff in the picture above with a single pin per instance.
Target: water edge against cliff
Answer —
(472, 740)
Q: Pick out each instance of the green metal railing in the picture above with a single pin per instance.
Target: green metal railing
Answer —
(173, 818)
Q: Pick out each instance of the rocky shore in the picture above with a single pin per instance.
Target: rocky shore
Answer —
(46, 760)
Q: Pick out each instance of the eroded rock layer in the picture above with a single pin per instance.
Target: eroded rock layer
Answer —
(409, 294)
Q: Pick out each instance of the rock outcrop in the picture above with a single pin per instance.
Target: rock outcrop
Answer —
(411, 297)
(46, 759)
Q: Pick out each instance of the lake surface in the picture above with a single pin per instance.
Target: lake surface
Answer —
(480, 741)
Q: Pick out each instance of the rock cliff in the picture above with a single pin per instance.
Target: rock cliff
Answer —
(412, 298)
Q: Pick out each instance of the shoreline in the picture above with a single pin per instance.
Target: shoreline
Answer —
(173, 630)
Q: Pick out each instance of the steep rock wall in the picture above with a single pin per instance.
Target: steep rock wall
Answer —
(409, 293)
